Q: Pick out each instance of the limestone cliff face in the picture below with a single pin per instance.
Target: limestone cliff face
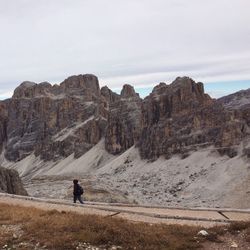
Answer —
(109, 96)
(3, 124)
(123, 129)
(180, 117)
(39, 113)
(10, 182)
(238, 104)
(55, 121)
(86, 86)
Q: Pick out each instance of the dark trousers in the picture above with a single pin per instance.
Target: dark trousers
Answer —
(78, 197)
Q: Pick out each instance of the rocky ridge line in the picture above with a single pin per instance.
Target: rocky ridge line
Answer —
(56, 121)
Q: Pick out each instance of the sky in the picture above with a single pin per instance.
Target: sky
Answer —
(137, 42)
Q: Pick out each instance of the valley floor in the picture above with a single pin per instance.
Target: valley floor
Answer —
(202, 179)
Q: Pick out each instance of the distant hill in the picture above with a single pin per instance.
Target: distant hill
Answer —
(238, 100)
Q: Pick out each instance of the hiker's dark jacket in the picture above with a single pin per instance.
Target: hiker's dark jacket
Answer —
(77, 190)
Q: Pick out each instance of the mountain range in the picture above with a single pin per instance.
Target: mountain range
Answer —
(51, 123)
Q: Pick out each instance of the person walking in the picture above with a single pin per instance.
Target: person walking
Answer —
(78, 191)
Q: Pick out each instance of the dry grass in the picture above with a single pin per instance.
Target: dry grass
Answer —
(236, 227)
(65, 230)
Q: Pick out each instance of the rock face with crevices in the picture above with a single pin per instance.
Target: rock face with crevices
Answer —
(239, 105)
(3, 124)
(180, 117)
(123, 129)
(55, 121)
(10, 182)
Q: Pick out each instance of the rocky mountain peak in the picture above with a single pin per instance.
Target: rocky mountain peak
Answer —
(57, 121)
(188, 84)
(105, 89)
(189, 91)
(27, 84)
(183, 90)
(159, 88)
(82, 85)
(124, 118)
(86, 86)
(109, 95)
(45, 85)
(182, 80)
(31, 89)
(128, 91)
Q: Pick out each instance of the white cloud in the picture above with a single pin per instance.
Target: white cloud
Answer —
(5, 95)
(135, 41)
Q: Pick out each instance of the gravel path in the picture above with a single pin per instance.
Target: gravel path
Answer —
(202, 217)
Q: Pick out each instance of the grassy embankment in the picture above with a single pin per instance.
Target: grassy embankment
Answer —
(31, 228)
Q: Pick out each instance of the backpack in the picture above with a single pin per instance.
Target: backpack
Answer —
(81, 190)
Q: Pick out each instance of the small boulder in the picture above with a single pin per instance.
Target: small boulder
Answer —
(203, 233)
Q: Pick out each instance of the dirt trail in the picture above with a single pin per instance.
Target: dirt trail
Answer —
(203, 217)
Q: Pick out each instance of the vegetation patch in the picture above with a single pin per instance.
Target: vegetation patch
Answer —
(31, 228)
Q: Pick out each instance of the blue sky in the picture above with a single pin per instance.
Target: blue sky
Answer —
(218, 89)
(137, 42)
